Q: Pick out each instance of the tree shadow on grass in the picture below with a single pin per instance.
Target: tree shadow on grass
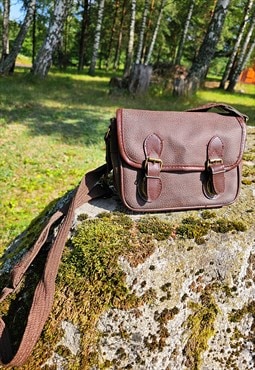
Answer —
(72, 126)
(68, 109)
(76, 108)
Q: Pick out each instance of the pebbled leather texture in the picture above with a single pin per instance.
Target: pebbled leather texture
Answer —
(184, 142)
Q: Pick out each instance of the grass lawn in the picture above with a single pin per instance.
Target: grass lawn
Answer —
(51, 132)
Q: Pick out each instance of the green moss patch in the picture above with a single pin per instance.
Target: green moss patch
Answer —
(248, 173)
(249, 156)
(200, 327)
(237, 315)
(90, 280)
(190, 227)
(193, 228)
(154, 226)
(223, 225)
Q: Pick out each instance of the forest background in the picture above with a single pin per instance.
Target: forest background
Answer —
(55, 105)
(215, 35)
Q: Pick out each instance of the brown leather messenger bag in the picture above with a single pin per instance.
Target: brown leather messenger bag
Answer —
(160, 161)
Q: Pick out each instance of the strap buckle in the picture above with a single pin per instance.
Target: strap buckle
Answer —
(213, 161)
(153, 160)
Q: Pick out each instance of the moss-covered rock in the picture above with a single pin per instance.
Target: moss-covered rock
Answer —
(168, 291)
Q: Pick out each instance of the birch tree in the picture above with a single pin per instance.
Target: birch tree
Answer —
(97, 37)
(243, 55)
(249, 52)
(142, 32)
(5, 29)
(130, 50)
(44, 57)
(7, 63)
(239, 39)
(155, 33)
(84, 27)
(185, 32)
(118, 48)
(112, 33)
(140, 74)
(207, 49)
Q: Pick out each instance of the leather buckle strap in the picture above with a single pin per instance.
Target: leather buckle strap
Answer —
(151, 185)
(215, 166)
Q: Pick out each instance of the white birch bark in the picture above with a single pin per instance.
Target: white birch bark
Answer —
(184, 33)
(249, 53)
(155, 33)
(97, 37)
(142, 31)
(242, 58)
(206, 52)
(237, 45)
(5, 28)
(7, 63)
(43, 60)
(131, 39)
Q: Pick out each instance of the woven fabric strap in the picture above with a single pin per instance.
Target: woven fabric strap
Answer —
(88, 189)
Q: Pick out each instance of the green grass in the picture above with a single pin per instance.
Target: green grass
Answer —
(51, 133)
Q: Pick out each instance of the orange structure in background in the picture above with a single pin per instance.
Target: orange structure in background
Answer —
(248, 75)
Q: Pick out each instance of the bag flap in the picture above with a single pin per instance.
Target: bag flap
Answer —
(185, 137)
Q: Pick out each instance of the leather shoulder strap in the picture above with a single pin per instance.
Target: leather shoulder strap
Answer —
(88, 189)
(222, 106)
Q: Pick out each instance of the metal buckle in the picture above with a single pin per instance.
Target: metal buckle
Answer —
(153, 160)
(213, 161)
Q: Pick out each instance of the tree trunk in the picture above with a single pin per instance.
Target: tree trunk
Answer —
(237, 45)
(5, 29)
(206, 52)
(139, 79)
(118, 48)
(97, 38)
(43, 60)
(242, 57)
(84, 27)
(113, 30)
(155, 33)
(34, 36)
(142, 32)
(130, 50)
(148, 30)
(7, 64)
(249, 53)
(184, 33)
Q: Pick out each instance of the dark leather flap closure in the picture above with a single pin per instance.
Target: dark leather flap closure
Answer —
(185, 137)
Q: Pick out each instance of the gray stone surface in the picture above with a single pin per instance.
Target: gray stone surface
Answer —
(226, 263)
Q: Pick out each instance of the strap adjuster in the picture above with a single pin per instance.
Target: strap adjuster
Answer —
(213, 161)
(153, 160)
